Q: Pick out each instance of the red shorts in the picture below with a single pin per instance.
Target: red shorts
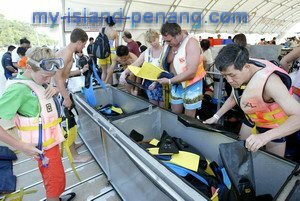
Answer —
(54, 177)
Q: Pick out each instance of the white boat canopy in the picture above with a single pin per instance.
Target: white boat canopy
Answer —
(218, 16)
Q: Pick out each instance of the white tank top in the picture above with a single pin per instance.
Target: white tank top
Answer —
(150, 59)
(179, 60)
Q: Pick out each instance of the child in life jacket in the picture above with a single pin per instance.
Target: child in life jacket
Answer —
(30, 102)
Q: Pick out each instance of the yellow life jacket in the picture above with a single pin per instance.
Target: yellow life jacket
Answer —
(28, 126)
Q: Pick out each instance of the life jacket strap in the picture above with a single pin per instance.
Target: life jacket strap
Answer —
(18, 196)
(45, 126)
(71, 134)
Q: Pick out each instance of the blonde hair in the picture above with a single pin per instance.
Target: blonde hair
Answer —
(37, 54)
(151, 35)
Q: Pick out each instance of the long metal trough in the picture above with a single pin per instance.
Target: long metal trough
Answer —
(135, 174)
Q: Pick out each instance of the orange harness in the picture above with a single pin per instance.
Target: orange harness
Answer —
(265, 115)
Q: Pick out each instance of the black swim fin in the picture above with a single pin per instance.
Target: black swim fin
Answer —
(167, 144)
(136, 136)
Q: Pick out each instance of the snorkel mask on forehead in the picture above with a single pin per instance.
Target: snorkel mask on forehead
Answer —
(50, 65)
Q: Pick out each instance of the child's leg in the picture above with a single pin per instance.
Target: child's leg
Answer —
(54, 175)
(78, 158)
(53, 199)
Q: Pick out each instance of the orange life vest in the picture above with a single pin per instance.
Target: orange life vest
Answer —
(28, 126)
(180, 64)
(265, 115)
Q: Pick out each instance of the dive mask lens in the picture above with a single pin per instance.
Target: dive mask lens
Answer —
(52, 64)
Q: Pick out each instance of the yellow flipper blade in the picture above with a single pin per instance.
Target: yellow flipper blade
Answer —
(147, 71)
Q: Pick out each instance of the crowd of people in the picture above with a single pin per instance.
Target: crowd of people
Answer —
(260, 89)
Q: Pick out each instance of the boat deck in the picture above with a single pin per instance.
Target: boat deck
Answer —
(93, 185)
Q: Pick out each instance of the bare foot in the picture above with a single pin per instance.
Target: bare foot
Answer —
(134, 92)
(78, 145)
(82, 159)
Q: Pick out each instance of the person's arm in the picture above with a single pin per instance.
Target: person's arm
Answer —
(79, 71)
(110, 69)
(16, 65)
(277, 91)
(126, 72)
(15, 58)
(28, 149)
(294, 54)
(14, 97)
(139, 61)
(11, 69)
(192, 61)
(60, 80)
(75, 73)
(63, 74)
(206, 67)
(7, 64)
(116, 40)
(228, 105)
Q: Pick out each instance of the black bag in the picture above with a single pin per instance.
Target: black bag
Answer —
(101, 47)
(238, 162)
(8, 181)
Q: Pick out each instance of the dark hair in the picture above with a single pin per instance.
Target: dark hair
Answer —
(127, 34)
(24, 40)
(205, 44)
(143, 48)
(11, 48)
(110, 21)
(21, 51)
(139, 43)
(122, 50)
(232, 54)
(91, 38)
(78, 35)
(170, 28)
(240, 39)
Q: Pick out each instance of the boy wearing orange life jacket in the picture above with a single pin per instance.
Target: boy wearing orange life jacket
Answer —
(34, 111)
(266, 99)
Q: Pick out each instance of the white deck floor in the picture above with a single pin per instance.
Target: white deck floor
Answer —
(93, 185)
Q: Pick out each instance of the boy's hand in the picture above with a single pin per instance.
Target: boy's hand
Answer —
(30, 150)
(50, 91)
(67, 102)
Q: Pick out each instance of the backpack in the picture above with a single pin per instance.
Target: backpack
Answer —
(101, 45)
